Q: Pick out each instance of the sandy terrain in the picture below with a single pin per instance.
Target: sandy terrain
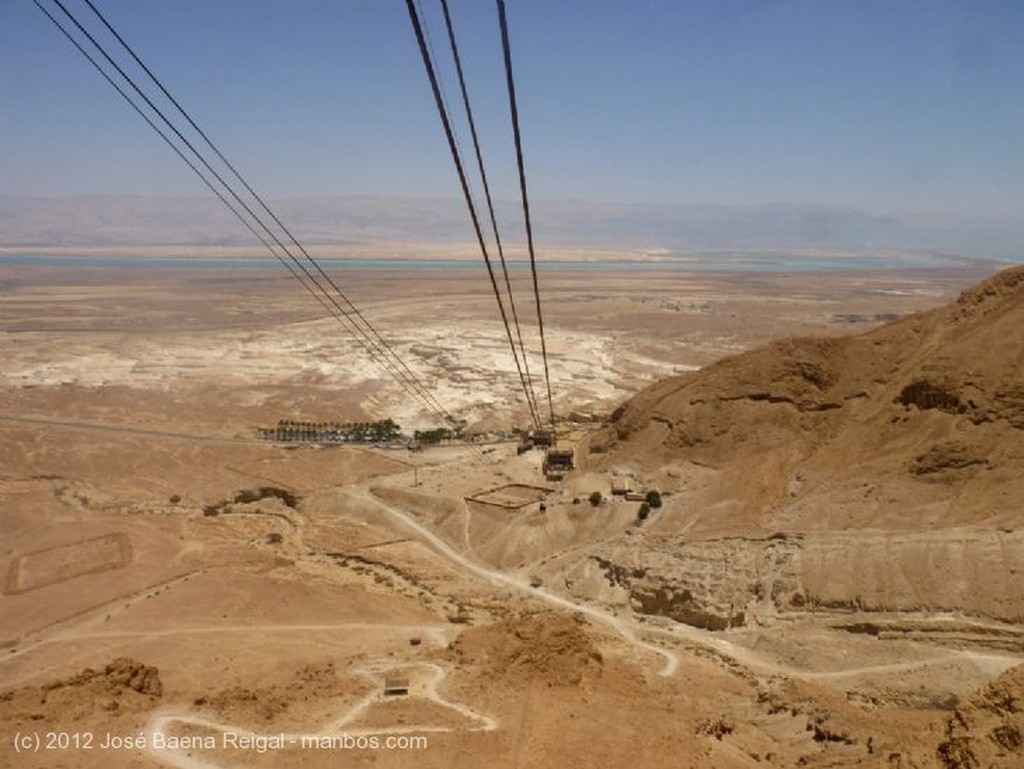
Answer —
(180, 593)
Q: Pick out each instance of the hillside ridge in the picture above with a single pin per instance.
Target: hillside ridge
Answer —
(930, 405)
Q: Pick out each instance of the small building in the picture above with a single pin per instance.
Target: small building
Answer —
(396, 687)
(622, 486)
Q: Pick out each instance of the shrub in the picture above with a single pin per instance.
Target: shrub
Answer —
(595, 498)
(653, 499)
(644, 511)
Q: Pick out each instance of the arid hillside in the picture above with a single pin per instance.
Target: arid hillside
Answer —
(876, 473)
(914, 424)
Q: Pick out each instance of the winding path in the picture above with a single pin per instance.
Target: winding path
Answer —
(161, 724)
(625, 628)
(628, 629)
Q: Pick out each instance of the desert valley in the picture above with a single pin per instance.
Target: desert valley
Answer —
(827, 573)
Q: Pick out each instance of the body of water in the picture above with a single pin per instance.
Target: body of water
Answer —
(743, 263)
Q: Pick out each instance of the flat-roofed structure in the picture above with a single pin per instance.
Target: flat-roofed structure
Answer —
(396, 687)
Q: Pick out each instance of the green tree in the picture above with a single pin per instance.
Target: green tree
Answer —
(653, 498)
(436, 435)
(595, 498)
(644, 511)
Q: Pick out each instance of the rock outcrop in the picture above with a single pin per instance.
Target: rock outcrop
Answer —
(874, 472)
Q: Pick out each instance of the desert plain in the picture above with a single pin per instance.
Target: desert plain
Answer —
(181, 592)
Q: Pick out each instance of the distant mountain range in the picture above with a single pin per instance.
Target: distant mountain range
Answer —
(101, 221)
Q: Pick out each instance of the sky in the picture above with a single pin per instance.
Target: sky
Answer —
(890, 107)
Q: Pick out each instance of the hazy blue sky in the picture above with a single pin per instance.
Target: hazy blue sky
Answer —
(889, 106)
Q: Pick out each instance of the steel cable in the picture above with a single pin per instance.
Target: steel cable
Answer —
(531, 396)
(506, 48)
(460, 170)
(405, 377)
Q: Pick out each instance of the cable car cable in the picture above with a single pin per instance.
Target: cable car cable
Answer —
(531, 396)
(522, 188)
(460, 170)
(411, 385)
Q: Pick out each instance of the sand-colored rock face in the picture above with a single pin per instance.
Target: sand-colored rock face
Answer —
(876, 472)
(925, 411)
(550, 648)
(987, 730)
(728, 582)
(124, 687)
